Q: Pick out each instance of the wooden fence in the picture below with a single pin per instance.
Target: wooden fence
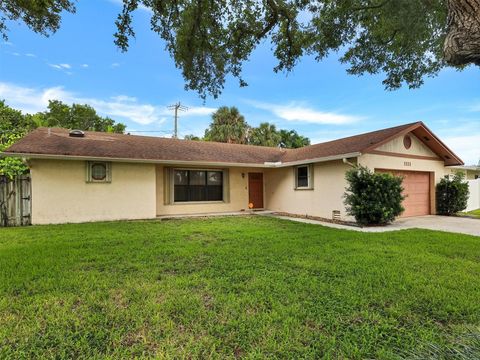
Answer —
(15, 201)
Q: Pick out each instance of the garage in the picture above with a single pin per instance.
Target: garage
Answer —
(416, 186)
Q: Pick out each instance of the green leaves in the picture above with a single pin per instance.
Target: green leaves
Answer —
(13, 125)
(41, 16)
(290, 139)
(228, 126)
(452, 194)
(373, 198)
(265, 135)
(210, 40)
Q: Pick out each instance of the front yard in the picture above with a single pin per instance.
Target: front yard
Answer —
(234, 287)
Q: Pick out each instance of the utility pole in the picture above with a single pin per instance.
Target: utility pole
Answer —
(177, 107)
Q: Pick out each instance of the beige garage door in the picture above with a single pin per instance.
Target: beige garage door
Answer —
(417, 191)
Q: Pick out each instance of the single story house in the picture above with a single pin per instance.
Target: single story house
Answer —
(91, 176)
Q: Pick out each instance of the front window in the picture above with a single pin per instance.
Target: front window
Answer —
(303, 177)
(197, 185)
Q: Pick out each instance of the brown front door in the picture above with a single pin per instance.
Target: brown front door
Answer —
(416, 186)
(255, 190)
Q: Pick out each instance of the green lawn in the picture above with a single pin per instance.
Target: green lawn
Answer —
(231, 287)
(475, 213)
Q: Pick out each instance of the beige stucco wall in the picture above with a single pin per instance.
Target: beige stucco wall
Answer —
(60, 193)
(238, 196)
(327, 194)
(373, 161)
(417, 147)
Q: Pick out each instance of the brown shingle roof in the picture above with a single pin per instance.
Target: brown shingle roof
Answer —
(351, 144)
(57, 142)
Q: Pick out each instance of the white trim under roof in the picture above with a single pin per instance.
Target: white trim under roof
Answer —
(183, 162)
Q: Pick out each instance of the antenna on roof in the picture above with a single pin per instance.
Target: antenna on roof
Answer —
(177, 107)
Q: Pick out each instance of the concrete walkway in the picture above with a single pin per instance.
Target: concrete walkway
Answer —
(442, 223)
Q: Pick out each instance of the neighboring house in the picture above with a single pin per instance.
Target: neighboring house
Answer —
(102, 176)
(471, 172)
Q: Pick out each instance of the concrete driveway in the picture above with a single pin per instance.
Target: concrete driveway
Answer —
(442, 223)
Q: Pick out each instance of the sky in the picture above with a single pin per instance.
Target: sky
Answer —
(81, 64)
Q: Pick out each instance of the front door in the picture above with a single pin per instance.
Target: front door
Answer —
(255, 190)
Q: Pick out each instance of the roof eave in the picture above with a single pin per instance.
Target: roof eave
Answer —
(181, 162)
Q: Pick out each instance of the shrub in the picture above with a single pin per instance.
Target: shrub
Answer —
(373, 198)
(452, 194)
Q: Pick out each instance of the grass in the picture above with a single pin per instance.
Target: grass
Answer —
(249, 287)
(474, 213)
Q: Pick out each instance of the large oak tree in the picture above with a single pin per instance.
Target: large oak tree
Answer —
(406, 40)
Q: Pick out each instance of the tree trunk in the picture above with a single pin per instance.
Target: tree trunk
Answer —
(462, 44)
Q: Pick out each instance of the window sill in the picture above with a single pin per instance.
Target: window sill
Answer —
(304, 188)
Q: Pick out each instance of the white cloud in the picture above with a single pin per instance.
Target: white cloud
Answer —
(115, 65)
(300, 112)
(465, 146)
(16, 54)
(84, 65)
(124, 98)
(200, 111)
(61, 66)
(140, 6)
(7, 43)
(32, 100)
(28, 99)
(31, 55)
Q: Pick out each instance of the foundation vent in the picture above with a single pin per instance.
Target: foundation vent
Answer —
(336, 214)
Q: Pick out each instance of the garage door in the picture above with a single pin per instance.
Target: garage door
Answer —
(417, 191)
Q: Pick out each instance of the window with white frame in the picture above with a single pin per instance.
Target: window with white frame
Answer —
(303, 177)
(99, 172)
(197, 185)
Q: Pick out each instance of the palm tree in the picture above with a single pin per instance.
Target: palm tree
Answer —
(265, 135)
(291, 139)
(228, 126)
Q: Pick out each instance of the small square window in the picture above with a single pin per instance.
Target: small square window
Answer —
(99, 172)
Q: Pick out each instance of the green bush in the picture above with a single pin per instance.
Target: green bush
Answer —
(373, 198)
(452, 194)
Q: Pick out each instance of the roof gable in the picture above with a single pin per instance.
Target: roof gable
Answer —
(429, 139)
(417, 147)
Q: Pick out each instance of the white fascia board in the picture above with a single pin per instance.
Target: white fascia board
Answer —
(129, 160)
(320, 159)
